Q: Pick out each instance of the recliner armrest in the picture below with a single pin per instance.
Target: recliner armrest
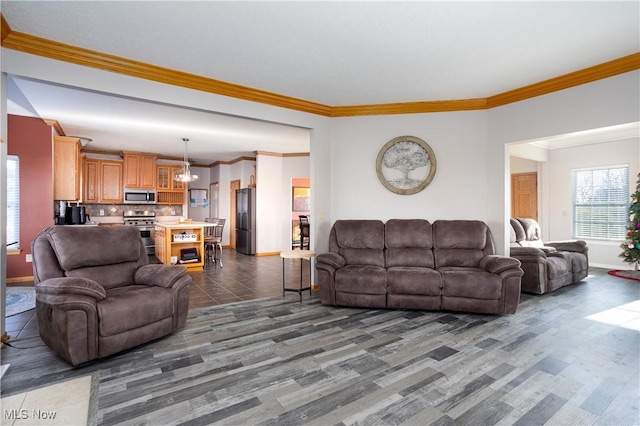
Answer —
(61, 286)
(332, 259)
(497, 264)
(528, 253)
(159, 275)
(579, 246)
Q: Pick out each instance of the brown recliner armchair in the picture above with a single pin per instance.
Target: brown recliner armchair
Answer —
(547, 266)
(97, 294)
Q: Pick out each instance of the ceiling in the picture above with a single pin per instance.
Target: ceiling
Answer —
(336, 53)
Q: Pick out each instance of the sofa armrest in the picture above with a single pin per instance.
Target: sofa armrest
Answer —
(498, 264)
(528, 253)
(62, 286)
(333, 260)
(579, 246)
(159, 275)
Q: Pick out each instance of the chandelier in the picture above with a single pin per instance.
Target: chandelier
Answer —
(184, 174)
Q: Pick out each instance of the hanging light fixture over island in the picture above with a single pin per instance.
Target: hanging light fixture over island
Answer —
(185, 174)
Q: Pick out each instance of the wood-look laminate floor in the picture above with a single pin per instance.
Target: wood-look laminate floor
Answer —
(570, 357)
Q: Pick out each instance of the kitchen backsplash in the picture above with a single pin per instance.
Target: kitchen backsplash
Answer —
(94, 210)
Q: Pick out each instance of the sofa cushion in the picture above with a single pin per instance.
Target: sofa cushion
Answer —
(400, 233)
(471, 283)
(460, 243)
(360, 242)
(362, 279)
(126, 310)
(409, 243)
(413, 280)
(108, 276)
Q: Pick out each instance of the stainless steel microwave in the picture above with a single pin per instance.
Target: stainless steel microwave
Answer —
(139, 196)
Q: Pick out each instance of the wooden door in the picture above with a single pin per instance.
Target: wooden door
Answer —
(234, 184)
(524, 195)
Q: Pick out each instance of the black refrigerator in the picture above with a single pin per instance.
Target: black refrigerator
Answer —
(246, 220)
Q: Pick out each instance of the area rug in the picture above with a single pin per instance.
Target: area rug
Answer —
(630, 275)
(20, 299)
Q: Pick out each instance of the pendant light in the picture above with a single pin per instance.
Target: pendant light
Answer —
(184, 174)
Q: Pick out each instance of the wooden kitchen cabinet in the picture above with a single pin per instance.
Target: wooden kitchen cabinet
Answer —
(168, 190)
(165, 178)
(102, 181)
(139, 170)
(66, 168)
(167, 247)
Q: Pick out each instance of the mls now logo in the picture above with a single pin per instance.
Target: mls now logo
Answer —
(15, 414)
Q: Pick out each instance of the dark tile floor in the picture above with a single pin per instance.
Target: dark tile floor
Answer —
(241, 278)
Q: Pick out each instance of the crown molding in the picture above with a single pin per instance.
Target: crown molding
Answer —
(409, 107)
(577, 78)
(56, 126)
(27, 43)
(5, 29)
(235, 160)
(80, 56)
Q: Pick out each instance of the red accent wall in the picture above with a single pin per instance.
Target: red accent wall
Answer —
(31, 139)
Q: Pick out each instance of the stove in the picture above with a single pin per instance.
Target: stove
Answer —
(143, 220)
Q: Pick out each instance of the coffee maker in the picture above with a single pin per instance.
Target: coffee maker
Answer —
(72, 215)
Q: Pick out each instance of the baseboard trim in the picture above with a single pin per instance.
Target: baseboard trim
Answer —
(19, 280)
(605, 266)
(268, 253)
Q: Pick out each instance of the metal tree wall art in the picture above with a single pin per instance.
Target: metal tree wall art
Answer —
(406, 165)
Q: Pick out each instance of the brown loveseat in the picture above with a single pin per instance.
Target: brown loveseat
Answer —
(96, 294)
(547, 266)
(410, 263)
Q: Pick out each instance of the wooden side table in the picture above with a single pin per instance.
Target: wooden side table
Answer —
(297, 254)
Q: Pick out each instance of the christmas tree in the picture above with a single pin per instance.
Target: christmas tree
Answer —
(631, 246)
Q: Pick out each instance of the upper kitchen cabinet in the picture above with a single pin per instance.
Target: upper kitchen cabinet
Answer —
(169, 190)
(102, 181)
(139, 170)
(66, 168)
(165, 178)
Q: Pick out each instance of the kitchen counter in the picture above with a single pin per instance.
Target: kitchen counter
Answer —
(167, 246)
(188, 225)
(116, 220)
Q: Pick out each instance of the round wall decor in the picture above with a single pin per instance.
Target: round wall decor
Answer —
(406, 165)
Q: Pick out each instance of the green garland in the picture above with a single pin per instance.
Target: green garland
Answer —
(631, 246)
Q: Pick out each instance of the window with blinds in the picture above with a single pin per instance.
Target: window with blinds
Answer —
(13, 202)
(600, 202)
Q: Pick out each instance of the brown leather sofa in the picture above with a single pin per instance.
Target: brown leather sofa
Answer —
(412, 264)
(547, 266)
(97, 294)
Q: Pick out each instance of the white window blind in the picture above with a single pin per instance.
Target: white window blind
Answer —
(13, 202)
(601, 202)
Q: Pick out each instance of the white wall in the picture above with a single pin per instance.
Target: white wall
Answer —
(521, 165)
(561, 162)
(269, 214)
(603, 103)
(198, 213)
(273, 199)
(458, 190)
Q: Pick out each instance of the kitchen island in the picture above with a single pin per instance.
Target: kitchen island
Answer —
(179, 239)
